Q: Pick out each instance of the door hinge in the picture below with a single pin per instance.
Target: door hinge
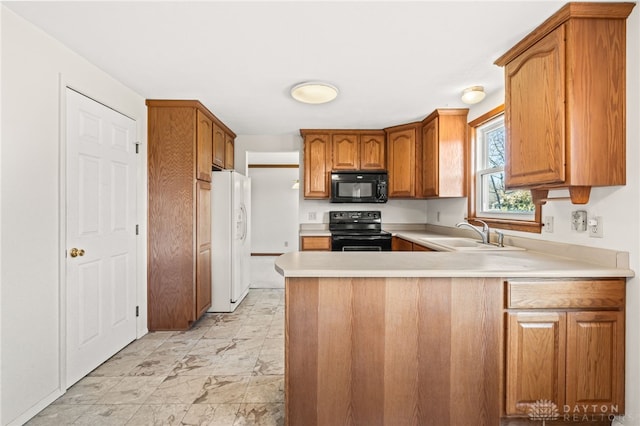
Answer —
(137, 229)
(137, 311)
(137, 144)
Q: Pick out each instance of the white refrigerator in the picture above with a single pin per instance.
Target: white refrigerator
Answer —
(230, 239)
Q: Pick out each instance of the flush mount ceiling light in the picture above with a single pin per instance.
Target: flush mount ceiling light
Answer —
(314, 92)
(473, 95)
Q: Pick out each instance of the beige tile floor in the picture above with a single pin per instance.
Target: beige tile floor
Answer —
(226, 370)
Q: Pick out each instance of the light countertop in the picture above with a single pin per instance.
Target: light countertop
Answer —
(439, 264)
(540, 259)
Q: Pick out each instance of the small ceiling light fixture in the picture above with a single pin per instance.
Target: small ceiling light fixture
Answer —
(473, 95)
(314, 92)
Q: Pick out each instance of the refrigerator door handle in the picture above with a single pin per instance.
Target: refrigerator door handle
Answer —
(243, 213)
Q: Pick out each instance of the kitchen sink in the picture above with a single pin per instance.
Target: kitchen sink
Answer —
(463, 244)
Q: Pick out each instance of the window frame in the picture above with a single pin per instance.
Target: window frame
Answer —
(534, 226)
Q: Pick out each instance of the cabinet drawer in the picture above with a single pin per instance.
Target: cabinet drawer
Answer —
(584, 294)
(316, 243)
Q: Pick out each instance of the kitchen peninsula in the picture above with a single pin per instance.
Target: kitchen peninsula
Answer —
(419, 338)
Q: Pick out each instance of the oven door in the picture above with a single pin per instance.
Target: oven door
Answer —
(360, 243)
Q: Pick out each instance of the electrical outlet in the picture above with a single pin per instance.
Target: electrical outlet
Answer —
(547, 224)
(596, 227)
(312, 215)
(579, 220)
(437, 216)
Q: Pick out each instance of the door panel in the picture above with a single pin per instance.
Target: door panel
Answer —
(100, 224)
(535, 359)
(595, 361)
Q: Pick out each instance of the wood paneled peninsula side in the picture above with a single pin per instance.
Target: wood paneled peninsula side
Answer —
(435, 338)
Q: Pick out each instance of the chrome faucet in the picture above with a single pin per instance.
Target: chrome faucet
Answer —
(484, 232)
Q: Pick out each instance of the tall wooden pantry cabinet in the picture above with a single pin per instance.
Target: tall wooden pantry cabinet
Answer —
(180, 161)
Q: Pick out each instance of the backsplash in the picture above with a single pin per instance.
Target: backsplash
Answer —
(393, 211)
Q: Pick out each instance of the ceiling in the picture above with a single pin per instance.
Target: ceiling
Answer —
(393, 62)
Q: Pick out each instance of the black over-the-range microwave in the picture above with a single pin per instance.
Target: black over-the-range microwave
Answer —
(359, 186)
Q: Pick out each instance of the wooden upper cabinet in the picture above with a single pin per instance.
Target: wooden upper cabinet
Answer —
(229, 152)
(219, 146)
(327, 150)
(358, 150)
(441, 165)
(317, 165)
(401, 160)
(345, 151)
(535, 114)
(565, 101)
(204, 134)
(372, 151)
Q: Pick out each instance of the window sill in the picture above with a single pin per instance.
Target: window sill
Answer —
(512, 225)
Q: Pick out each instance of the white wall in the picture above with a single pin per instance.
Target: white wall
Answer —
(274, 210)
(619, 207)
(33, 65)
(274, 220)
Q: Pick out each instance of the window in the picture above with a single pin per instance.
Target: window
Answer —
(490, 200)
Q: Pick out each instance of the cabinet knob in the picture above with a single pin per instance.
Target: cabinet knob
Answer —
(74, 252)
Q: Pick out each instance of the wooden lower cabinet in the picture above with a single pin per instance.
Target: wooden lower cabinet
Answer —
(400, 244)
(393, 351)
(315, 243)
(595, 361)
(570, 351)
(536, 354)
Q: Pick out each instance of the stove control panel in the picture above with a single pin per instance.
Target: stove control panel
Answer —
(354, 216)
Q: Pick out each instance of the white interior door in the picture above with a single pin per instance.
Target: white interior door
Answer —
(101, 234)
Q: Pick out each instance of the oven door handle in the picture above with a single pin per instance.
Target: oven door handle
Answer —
(358, 238)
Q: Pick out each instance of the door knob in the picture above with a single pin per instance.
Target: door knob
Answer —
(76, 252)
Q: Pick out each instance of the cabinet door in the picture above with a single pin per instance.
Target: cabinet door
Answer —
(344, 152)
(315, 243)
(218, 146)
(372, 152)
(400, 244)
(535, 113)
(429, 159)
(595, 361)
(402, 163)
(419, 247)
(203, 244)
(229, 159)
(204, 135)
(535, 359)
(317, 165)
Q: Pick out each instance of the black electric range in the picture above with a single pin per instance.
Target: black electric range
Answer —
(358, 231)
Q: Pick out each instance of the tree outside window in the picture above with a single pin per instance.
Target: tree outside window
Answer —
(489, 199)
(495, 197)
